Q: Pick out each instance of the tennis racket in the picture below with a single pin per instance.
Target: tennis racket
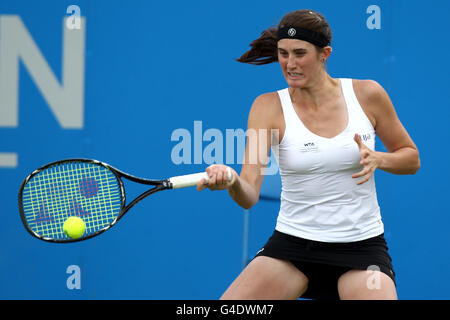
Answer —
(89, 189)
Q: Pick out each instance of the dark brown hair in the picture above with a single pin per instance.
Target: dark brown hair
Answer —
(264, 49)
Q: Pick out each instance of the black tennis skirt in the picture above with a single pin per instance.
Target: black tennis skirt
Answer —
(323, 263)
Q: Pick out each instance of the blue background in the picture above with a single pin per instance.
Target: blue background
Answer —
(153, 67)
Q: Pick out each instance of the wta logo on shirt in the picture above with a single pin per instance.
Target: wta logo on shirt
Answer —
(308, 147)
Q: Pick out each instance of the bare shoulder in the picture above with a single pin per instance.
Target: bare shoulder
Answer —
(267, 102)
(373, 98)
(368, 90)
(266, 109)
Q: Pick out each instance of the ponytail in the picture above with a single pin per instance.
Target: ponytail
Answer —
(263, 50)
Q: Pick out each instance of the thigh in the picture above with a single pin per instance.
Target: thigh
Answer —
(267, 278)
(366, 285)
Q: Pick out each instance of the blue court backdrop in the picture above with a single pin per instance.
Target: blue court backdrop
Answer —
(118, 87)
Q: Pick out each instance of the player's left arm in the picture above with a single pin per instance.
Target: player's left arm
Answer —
(402, 156)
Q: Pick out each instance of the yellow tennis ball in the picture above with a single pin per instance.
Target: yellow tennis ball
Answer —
(74, 227)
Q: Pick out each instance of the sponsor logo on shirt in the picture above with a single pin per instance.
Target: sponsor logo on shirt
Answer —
(309, 147)
(366, 136)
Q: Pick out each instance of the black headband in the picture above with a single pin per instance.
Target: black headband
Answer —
(302, 34)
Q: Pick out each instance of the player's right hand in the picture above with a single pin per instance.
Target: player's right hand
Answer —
(218, 178)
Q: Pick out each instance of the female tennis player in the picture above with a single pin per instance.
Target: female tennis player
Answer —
(328, 241)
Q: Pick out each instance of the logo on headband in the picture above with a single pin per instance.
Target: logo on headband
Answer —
(292, 32)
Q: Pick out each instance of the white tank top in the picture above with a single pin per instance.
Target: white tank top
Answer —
(320, 200)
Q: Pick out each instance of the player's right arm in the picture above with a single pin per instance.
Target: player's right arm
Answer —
(245, 188)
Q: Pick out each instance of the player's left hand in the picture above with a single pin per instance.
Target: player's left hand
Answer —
(370, 160)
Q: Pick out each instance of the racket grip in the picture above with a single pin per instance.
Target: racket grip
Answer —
(190, 180)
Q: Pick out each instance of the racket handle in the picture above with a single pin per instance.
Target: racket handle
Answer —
(190, 180)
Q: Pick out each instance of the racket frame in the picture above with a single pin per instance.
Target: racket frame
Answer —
(158, 186)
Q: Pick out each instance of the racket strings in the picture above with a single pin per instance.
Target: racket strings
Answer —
(82, 189)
